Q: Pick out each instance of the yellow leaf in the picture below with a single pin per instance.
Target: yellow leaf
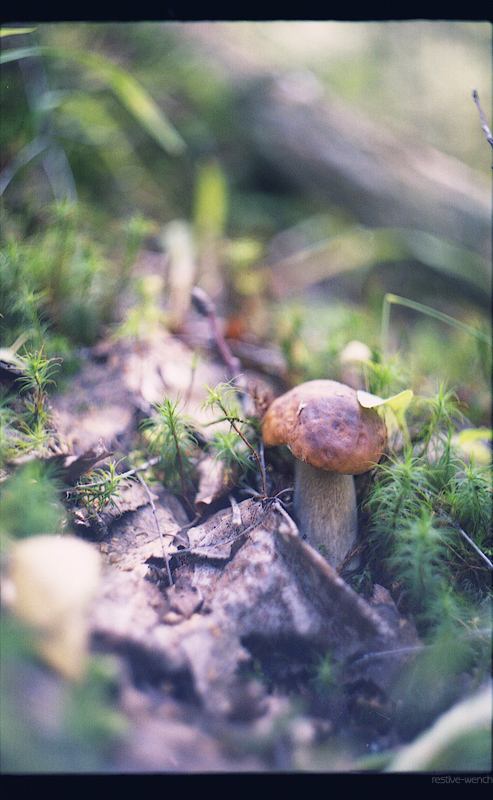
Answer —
(472, 442)
(392, 409)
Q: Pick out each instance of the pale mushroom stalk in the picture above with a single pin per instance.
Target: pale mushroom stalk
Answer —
(325, 507)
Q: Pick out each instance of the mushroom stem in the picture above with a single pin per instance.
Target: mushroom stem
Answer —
(325, 507)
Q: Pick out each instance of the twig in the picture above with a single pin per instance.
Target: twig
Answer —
(484, 124)
(205, 306)
(151, 501)
(416, 648)
(474, 546)
(468, 540)
(277, 506)
(236, 513)
(254, 453)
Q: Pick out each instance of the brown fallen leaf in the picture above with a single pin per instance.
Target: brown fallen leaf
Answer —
(69, 468)
(215, 481)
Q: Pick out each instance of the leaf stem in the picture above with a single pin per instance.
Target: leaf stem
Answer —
(431, 312)
(232, 421)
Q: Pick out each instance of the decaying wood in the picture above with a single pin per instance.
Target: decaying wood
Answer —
(384, 180)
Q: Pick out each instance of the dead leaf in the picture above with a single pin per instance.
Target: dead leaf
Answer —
(215, 481)
(69, 468)
(220, 535)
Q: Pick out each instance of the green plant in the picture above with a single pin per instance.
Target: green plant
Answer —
(79, 732)
(327, 677)
(401, 489)
(30, 504)
(146, 314)
(38, 371)
(429, 683)
(169, 435)
(469, 496)
(21, 301)
(231, 451)
(99, 489)
(442, 414)
(437, 573)
(58, 280)
(225, 398)
(392, 299)
(92, 716)
(134, 230)
(420, 549)
(28, 426)
(385, 378)
(419, 501)
(59, 285)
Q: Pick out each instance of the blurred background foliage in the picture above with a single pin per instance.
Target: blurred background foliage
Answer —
(112, 131)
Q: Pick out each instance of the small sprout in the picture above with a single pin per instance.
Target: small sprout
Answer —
(444, 413)
(30, 504)
(385, 377)
(170, 436)
(231, 451)
(38, 376)
(30, 428)
(99, 489)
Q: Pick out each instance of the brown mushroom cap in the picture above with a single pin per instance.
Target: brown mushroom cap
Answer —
(323, 424)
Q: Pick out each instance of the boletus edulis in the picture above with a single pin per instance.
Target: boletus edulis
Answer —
(332, 438)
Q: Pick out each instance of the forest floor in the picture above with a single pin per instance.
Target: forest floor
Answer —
(258, 656)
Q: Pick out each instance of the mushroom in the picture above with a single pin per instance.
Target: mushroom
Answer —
(332, 438)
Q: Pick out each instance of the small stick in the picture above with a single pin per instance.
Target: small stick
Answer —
(205, 306)
(415, 648)
(484, 124)
(468, 540)
(474, 546)
(151, 501)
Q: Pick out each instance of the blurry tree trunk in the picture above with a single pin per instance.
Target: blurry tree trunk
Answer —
(319, 143)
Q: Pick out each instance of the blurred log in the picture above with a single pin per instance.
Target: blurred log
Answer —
(309, 137)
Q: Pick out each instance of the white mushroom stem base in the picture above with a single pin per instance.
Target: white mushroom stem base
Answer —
(325, 507)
